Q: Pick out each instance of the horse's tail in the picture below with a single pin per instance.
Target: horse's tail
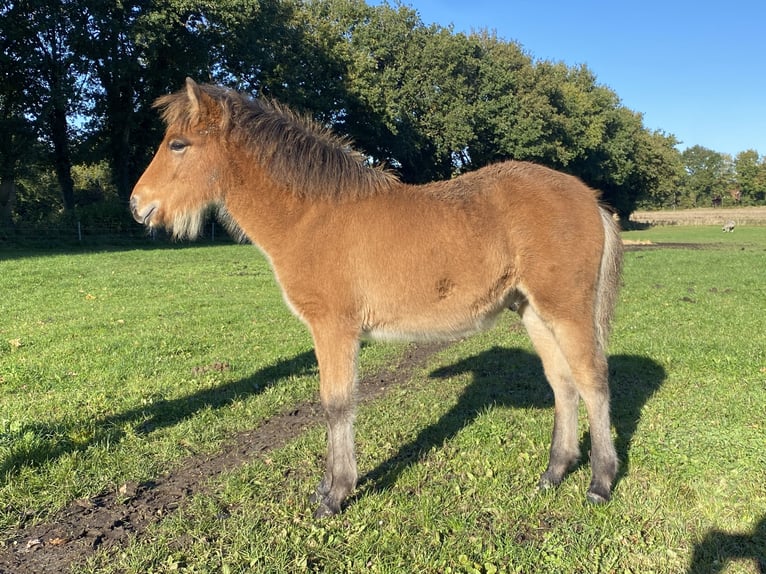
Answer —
(609, 278)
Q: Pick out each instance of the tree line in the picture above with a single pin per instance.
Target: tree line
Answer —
(79, 77)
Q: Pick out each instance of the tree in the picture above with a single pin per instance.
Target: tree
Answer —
(500, 125)
(268, 49)
(407, 88)
(37, 38)
(708, 174)
(104, 35)
(561, 117)
(17, 137)
(749, 174)
(428, 101)
(662, 167)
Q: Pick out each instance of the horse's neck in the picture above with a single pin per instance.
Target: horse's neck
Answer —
(267, 214)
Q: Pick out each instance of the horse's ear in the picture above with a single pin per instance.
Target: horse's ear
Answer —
(194, 94)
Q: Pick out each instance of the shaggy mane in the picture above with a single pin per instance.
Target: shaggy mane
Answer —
(308, 158)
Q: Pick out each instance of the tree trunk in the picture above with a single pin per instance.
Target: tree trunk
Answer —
(7, 202)
(61, 158)
(121, 162)
(120, 121)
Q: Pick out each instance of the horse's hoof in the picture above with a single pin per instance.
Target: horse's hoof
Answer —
(324, 511)
(597, 498)
(547, 483)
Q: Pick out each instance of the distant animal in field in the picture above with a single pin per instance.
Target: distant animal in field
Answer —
(736, 196)
(359, 254)
(717, 201)
(728, 226)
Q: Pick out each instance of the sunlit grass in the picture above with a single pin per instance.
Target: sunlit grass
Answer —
(114, 365)
(99, 386)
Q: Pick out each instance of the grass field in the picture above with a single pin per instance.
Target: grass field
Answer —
(116, 367)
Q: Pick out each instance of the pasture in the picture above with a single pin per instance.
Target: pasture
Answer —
(122, 371)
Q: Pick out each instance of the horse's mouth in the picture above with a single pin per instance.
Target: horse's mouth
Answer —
(143, 216)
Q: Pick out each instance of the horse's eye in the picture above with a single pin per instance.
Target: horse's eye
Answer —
(178, 145)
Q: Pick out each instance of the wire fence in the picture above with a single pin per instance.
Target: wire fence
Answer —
(94, 233)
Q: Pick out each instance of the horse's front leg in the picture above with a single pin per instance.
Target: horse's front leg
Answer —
(336, 353)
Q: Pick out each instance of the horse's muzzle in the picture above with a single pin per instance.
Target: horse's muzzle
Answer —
(142, 216)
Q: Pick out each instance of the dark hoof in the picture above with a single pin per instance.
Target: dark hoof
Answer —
(325, 511)
(595, 497)
(547, 483)
(327, 507)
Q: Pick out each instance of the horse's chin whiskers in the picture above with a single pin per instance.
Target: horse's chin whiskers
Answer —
(189, 224)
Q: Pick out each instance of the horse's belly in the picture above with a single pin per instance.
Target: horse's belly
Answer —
(429, 332)
(436, 321)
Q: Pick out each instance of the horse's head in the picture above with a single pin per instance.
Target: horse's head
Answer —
(184, 179)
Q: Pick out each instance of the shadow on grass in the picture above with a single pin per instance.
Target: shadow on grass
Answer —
(514, 378)
(717, 549)
(33, 445)
(46, 248)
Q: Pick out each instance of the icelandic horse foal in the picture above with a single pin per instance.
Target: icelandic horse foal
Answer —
(357, 253)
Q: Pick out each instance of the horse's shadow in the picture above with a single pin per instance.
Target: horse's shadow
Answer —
(501, 377)
(514, 378)
(718, 548)
(148, 418)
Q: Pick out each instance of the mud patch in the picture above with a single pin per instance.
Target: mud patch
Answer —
(108, 520)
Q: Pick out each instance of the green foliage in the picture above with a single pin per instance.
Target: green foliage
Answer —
(38, 198)
(705, 174)
(750, 171)
(79, 78)
(434, 103)
(708, 174)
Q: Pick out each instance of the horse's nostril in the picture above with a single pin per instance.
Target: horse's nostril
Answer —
(144, 214)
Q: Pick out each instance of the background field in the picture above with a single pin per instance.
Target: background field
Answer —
(702, 216)
(117, 367)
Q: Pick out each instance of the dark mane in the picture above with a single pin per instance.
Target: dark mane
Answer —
(308, 158)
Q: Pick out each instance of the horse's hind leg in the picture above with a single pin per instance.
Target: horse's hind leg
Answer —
(564, 451)
(576, 365)
(589, 367)
(336, 354)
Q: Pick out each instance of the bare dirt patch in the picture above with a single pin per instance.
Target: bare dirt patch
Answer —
(702, 216)
(109, 519)
(642, 245)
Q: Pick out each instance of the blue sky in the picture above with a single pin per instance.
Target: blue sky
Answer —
(694, 69)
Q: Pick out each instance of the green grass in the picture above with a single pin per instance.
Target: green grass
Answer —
(97, 353)
(105, 366)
